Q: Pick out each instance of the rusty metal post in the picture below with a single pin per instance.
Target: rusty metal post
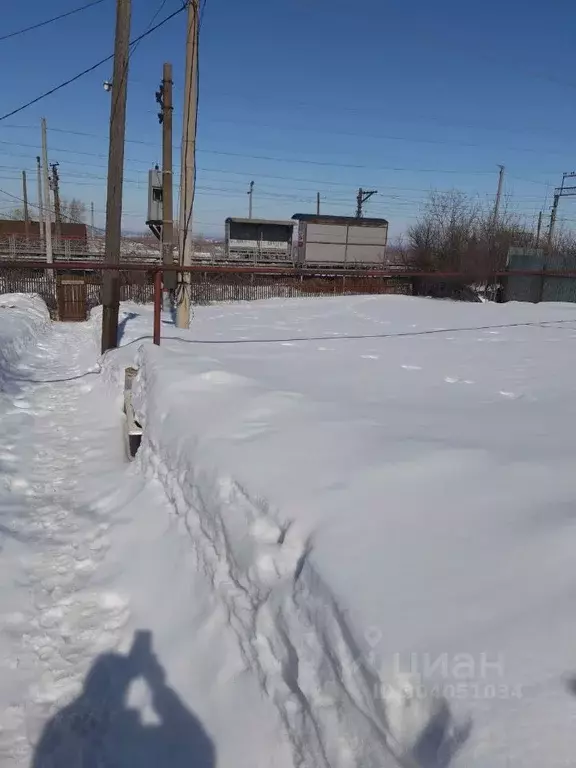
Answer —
(157, 305)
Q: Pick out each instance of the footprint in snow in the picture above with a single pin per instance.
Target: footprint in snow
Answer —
(452, 380)
(18, 484)
(23, 404)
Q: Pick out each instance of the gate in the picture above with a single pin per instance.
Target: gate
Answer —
(72, 305)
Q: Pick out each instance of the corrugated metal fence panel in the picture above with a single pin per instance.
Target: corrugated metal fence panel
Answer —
(520, 288)
(540, 287)
(559, 289)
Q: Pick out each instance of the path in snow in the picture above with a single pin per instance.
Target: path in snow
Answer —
(89, 553)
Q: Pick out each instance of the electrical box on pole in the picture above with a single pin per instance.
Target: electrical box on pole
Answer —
(155, 201)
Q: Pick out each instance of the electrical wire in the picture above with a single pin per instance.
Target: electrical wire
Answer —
(50, 21)
(90, 69)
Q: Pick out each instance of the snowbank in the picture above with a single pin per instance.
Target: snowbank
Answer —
(287, 624)
(23, 317)
(380, 490)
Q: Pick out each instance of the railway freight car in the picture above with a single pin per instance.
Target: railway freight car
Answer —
(340, 241)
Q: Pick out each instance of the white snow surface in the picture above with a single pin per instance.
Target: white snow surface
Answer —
(349, 531)
(383, 489)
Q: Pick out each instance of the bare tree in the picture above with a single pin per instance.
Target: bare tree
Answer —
(442, 236)
(455, 234)
(73, 210)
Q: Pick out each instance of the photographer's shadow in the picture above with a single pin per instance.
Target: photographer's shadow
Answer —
(99, 730)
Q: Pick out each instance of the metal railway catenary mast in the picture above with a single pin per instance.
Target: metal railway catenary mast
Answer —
(561, 191)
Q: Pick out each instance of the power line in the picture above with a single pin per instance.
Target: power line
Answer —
(92, 68)
(270, 158)
(385, 137)
(153, 144)
(50, 21)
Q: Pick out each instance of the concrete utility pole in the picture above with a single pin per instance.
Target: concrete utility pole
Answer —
(187, 164)
(538, 229)
(317, 203)
(119, 92)
(498, 195)
(164, 98)
(361, 198)
(57, 211)
(25, 200)
(92, 233)
(47, 205)
(40, 202)
(553, 219)
(250, 193)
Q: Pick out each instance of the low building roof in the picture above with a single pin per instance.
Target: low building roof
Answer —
(276, 222)
(314, 218)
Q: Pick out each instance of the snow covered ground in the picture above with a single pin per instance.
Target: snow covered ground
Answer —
(349, 532)
(417, 458)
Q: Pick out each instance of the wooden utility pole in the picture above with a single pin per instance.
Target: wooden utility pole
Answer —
(187, 164)
(498, 195)
(119, 92)
(362, 196)
(317, 203)
(25, 200)
(250, 195)
(47, 205)
(164, 97)
(92, 233)
(40, 202)
(57, 211)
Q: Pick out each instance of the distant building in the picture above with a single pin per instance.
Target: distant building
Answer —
(17, 229)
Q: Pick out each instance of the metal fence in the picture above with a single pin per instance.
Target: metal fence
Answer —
(206, 285)
(47, 283)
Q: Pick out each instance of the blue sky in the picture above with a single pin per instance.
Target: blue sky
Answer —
(309, 95)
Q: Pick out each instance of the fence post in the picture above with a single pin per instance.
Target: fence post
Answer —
(157, 305)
